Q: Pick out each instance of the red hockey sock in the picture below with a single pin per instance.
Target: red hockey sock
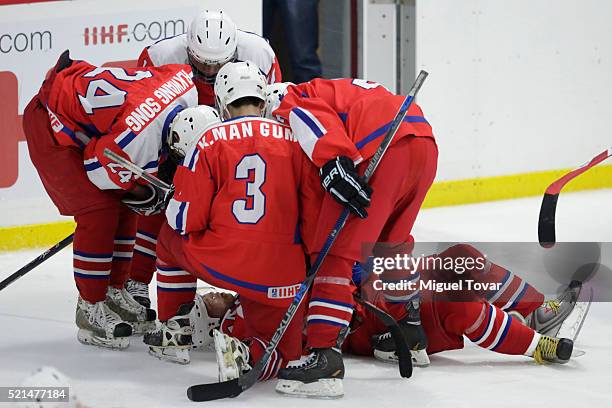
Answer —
(175, 287)
(143, 262)
(494, 329)
(331, 304)
(514, 293)
(123, 247)
(93, 252)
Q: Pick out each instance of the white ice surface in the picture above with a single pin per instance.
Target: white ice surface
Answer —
(37, 328)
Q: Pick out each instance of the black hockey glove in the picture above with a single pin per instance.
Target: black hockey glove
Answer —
(340, 179)
(154, 203)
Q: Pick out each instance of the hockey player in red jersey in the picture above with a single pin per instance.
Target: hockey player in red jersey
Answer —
(211, 41)
(235, 222)
(79, 111)
(339, 124)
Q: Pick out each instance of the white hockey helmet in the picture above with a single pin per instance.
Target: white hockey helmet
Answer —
(239, 80)
(50, 377)
(187, 127)
(211, 42)
(274, 96)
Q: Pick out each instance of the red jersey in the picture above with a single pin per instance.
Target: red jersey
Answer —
(243, 196)
(250, 47)
(125, 110)
(319, 112)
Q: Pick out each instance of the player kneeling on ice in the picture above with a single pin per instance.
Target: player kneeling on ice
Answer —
(80, 111)
(243, 193)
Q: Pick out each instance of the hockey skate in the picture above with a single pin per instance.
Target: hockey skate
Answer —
(139, 291)
(318, 375)
(553, 350)
(562, 317)
(384, 346)
(100, 326)
(172, 340)
(232, 356)
(128, 309)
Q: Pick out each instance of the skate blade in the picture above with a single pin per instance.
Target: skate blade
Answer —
(419, 357)
(178, 355)
(573, 323)
(577, 353)
(326, 388)
(88, 338)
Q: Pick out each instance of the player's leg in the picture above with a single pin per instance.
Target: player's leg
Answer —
(331, 304)
(238, 354)
(516, 296)
(492, 328)
(118, 298)
(421, 155)
(143, 261)
(176, 289)
(96, 214)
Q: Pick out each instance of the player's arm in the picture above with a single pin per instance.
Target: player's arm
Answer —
(318, 129)
(323, 138)
(188, 211)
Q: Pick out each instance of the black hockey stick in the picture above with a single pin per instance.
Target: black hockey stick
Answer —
(546, 223)
(401, 342)
(233, 388)
(37, 261)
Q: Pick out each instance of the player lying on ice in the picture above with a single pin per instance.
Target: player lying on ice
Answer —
(79, 111)
(211, 41)
(445, 322)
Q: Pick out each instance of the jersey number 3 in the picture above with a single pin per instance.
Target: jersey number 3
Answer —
(253, 208)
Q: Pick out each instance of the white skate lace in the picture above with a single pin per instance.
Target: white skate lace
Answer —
(125, 300)
(303, 362)
(136, 288)
(101, 315)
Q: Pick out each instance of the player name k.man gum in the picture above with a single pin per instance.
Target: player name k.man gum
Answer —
(241, 130)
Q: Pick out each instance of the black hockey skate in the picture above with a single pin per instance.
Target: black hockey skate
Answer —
(318, 375)
(384, 346)
(172, 340)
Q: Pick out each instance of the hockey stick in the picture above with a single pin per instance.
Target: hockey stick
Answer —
(37, 261)
(401, 343)
(546, 223)
(136, 170)
(233, 388)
